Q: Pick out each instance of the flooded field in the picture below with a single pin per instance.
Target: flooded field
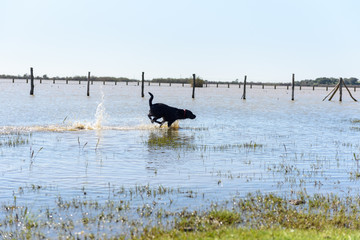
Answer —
(62, 149)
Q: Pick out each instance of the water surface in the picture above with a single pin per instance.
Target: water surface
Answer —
(265, 143)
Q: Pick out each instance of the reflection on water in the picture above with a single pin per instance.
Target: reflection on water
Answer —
(267, 143)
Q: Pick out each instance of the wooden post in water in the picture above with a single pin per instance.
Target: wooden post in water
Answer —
(314, 88)
(275, 86)
(169, 84)
(142, 84)
(159, 84)
(88, 85)
(193, 92)
(354, 89)
(182, 84)
(340, 89)
(293, 87)
(54, 81)
(27, 80)
(263, 86)
(244, 91)
(31, 81)
(217, 85)
(80, 81)
(327, 88)
(13, 80)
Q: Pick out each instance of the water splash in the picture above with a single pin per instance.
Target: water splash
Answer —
(100, 113)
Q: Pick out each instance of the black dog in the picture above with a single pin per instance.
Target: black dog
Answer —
(167, 113)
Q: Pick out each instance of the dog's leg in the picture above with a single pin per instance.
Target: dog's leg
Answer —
(155, 120)
(149, 116)
(170, 122)
(162, 122)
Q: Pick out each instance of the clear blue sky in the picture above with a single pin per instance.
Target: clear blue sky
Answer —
(267, 40)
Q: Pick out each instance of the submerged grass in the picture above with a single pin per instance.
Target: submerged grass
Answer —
(14, 139)
(172, 140)
(256, 216)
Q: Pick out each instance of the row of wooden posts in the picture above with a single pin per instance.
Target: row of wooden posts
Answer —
(332, 93)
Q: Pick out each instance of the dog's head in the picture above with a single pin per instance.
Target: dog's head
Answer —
(189, 114)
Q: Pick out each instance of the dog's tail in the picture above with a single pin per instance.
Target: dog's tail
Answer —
(151, 98)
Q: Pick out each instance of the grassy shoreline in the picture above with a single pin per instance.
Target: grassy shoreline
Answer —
(257, 216)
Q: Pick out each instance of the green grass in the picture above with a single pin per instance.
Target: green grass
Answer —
(256, 216)
(14, 139)
(244, 233)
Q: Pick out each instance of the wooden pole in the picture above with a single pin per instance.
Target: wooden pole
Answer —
(293, 87)
(244, 91)
(13, 80)
(88, 85)
(54, 81)
(349, 92)
(193, 92)
(335, 90)
(340, 89)
(142, 84)
(31, 81)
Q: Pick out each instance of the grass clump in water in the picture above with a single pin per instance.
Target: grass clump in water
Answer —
(14, 139)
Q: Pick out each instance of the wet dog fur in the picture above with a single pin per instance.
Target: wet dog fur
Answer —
(167, 113)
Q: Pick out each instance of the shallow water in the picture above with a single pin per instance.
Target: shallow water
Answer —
(74, 142)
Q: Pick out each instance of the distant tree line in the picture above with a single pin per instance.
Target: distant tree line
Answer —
(328, 81)
(198, 81)
(83, 78)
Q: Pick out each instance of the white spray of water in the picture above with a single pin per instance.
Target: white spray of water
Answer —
(100, 113)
